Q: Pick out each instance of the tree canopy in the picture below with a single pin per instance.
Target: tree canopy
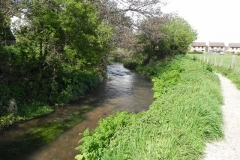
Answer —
(60, 52)
(164, 36)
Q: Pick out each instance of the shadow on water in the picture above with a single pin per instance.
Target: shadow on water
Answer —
(124, 91)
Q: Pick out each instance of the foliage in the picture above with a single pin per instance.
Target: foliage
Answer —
(34, 109)
(60, 53)
(25, 112)
(125, 16)
(162, 82)
(93, 144)
(179, 36)
(120, 55)
(5, 121)
(209, 67)
(130, 65)
(5, 32)
(165, 36)
(184, 116)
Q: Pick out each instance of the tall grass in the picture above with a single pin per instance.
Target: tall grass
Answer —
(229, 73)
(184, 116)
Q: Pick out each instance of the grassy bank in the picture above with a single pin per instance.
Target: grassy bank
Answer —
(184, 116)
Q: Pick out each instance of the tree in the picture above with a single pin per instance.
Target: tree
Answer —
(125, 17)
(179, 36)
(61, 46)
(150, 33)
(165, 36)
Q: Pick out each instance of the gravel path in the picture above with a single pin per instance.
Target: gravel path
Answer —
(229, 147)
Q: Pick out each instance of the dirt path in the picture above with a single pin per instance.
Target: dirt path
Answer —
(229, 147)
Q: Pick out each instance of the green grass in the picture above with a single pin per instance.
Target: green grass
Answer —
(229, 73)
(184, 116)
(226, 59)
(225, 70)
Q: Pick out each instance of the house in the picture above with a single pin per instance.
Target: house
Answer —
(234, 47)
(198, 47)
(216, 47)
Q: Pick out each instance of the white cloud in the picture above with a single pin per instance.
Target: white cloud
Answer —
(214, 20)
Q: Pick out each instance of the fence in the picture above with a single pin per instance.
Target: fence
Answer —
(228, 61)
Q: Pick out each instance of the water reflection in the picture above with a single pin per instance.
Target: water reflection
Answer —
(125, 91)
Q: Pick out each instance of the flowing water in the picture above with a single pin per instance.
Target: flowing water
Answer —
(124, 91)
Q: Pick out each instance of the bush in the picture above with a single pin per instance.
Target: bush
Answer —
(209, 67)
(94, 144)
(130, 65)
(5, 121)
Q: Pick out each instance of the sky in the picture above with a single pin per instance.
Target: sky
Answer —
(214, 20)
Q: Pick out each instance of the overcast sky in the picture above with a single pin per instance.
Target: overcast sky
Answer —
(214, 20)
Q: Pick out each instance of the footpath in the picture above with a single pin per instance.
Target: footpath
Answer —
(229, 147)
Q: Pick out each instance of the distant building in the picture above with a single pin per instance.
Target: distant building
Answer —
(216, 47)
(233, 48)
(198, 47)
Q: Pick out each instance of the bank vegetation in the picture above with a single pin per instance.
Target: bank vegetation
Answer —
(185, 114)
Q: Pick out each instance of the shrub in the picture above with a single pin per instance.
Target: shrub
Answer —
(94, 143)
(130, 65)
(209, 67)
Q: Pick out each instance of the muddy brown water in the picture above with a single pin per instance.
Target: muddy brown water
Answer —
(124, 91)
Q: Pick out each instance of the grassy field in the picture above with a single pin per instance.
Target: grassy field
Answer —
(232, 74)
(184, 116)
(224, 60)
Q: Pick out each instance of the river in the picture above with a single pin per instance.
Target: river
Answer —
(124, 91)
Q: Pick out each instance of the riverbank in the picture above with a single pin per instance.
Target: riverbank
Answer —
(25, 112)
(185, 116)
